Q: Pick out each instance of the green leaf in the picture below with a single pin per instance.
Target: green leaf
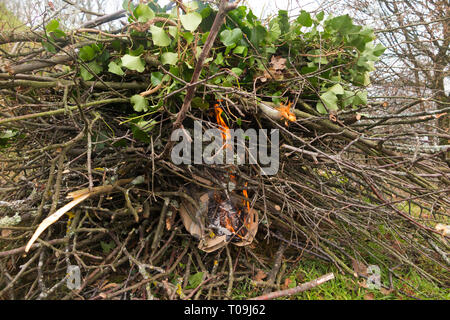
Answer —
(143, 13)
(195, 280)
(115, 68)
(107, 246)
(330, 100)
(140, 104)
(146, 126)
(86, 53)
(59, 33)
(320, 16)
(347, 98)
(191, 6)
(191, 21)
(317, 56)
(344, 24)
(136, 52)
(219, 59)
(237, 71)
(48, 47)
(7, 134)
(173, 31)
(169, 58)
(52, 26)
(159, 36)
(189, 37)
(240, 50)
(305, 19)
(231, 37)
(360, 98)
(198, 102)
(320, 108)
(283, 21)
(127, 3)
(258, 34)
(133, 63)
(337, 89)
(274, 31)
(94, 67)
(379, 50)
(156, 78)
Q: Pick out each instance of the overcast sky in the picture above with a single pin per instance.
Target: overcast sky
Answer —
(262, 8)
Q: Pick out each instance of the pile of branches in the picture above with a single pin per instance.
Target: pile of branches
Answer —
(92, 110)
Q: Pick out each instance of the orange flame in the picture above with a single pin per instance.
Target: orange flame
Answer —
(286, 113)
(223, 126)
(226, 135)
(244, 192)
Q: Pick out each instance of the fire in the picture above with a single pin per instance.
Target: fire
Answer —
(286, 112)
(226, 135)
(230, 217)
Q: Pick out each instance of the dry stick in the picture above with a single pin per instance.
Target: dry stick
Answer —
(224, 8)
(22, 270)
(231, 274)
(276, 266)
(60, 111)
(300, 288)
(160, 227)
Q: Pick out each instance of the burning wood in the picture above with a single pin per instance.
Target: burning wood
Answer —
(221, 217)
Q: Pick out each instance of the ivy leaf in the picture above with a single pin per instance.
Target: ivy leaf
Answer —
(52, 26)
(140, 104)
(283, 21)
(360, 98)
(347, 98)
(231, 37)
(330, 100)
(320, 108)
(241, 50)
(156, 78)
(337, 89)
(305, 19)
(258, 34)
(115, 68)
(59, 33)
(143, 13)
(159, 36)
(275, 31)
(237, 71)
(344, 24)
(189, 37)
(173, 31)
(94, 67)
(191, 21)
(378, 50)
(219, 59)
(86, 53)
(133, 63)
(48, 47)
(320, 16)
(169, 58)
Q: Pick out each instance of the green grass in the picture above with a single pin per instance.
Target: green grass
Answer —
(347, 287)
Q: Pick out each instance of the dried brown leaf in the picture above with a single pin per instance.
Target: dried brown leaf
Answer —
(369, 296)
(260, 275)
(278, 63)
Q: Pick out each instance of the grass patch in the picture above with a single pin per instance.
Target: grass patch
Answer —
(345, 287)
